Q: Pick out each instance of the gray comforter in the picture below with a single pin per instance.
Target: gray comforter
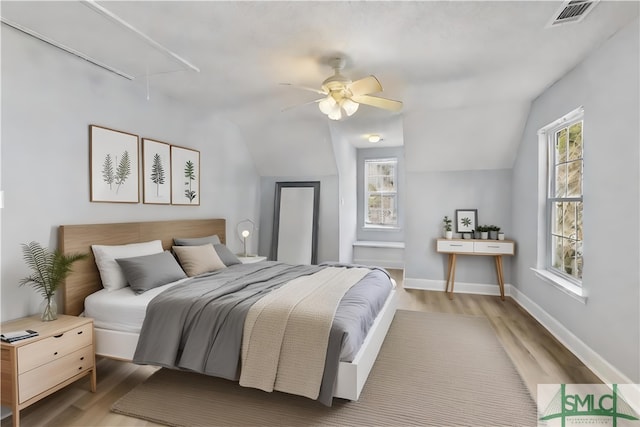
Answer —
(198, 325)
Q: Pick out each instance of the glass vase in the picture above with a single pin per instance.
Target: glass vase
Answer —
(49, 309)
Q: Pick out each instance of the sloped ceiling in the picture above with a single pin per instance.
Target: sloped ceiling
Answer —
(466, 71)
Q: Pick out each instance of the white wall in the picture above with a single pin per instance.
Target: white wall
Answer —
(346, 162)
(431, 196)
(606, 84)
(49, 98)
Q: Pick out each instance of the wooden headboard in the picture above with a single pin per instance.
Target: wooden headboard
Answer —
(85, 278)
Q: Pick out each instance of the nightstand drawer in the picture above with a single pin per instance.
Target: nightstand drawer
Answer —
(41, 379)
(505, 248)
(455, 246)
(49, 349)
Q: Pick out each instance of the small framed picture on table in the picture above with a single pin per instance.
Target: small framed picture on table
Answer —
(466, 220)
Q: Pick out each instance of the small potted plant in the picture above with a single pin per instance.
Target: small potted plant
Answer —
(493, 232)
(500, 235)
(448, 234)
(484, 231)
(49, 271)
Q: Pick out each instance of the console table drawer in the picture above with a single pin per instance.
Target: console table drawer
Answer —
(456, 246)
(504, 248)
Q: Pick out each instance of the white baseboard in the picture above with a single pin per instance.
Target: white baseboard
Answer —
(462, 287)
(599, 365)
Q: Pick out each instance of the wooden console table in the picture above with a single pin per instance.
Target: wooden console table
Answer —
(494, 248)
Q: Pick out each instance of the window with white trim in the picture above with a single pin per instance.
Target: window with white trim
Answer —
(381, 192)
(564, 201)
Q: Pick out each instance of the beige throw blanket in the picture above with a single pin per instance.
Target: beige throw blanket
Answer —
(286, 333)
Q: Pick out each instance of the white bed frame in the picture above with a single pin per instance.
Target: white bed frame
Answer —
(351, 375)
(121, 345)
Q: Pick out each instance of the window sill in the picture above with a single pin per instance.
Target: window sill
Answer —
(575, 292)
(381, 228)
(378, 244)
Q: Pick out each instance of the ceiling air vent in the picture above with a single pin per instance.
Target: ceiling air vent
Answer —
(572, 11)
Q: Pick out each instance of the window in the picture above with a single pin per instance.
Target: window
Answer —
(380, 195)
(565, 198)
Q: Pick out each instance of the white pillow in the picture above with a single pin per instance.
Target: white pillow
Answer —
(110, 272)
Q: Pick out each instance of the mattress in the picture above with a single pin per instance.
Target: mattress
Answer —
(121, 310)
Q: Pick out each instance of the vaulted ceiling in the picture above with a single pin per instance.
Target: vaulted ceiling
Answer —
(466, 72)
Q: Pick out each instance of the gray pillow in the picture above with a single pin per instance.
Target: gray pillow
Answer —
(197, 241)
(227, 257)
(150, 271)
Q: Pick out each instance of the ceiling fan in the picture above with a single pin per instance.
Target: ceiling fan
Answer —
(342, 97)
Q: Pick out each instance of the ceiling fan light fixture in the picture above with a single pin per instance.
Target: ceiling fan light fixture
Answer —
(327, 105)
(349, 106)
(335, 113)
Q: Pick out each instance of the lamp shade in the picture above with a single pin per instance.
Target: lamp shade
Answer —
(327, 104)
(349, 106)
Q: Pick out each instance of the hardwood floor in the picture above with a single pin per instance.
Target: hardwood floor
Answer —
(537, 355)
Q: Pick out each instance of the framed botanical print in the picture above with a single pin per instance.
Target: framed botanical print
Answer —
(185, 176)
(156, 172)
(466, 220)
(114, 165)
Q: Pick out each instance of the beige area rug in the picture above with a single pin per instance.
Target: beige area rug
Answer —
(433, 369)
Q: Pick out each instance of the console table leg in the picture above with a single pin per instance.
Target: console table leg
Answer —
(500, 275)
(452, 273)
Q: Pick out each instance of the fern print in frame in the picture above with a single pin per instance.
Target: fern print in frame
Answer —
(114, 165)
(185, 176)
(190, 176)
(466, 220)
(156, 172)
(107, 171)
(123, 171)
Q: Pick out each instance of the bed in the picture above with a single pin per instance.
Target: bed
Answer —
(120, 341)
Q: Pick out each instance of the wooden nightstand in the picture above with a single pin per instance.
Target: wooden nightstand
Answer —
(33, 368)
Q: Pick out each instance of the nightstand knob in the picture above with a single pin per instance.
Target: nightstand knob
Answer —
(55, 353)
(82, 358)
(58, 336)
(79, 333)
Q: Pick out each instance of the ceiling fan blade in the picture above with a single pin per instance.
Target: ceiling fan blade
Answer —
(365, 86)
(301, 105)
(374, 101)
(310, 89)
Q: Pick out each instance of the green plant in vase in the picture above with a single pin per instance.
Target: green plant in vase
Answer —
(49, 271)
(447, 227)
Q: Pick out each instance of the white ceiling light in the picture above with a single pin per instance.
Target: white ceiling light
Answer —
(374, 138)
(336, 110)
